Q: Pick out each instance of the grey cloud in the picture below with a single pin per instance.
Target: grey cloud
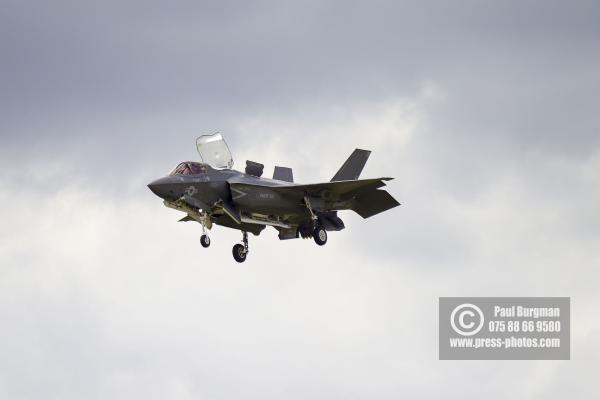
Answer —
(127, 81)
(231, 58)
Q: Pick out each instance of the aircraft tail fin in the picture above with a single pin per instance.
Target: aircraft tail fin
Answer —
(353, 166)
(283, 174)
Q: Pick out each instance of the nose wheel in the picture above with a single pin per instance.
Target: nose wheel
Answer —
(240, 251)
(204, 240)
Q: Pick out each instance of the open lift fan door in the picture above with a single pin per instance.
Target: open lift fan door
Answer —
(254, 168)
(214, 151)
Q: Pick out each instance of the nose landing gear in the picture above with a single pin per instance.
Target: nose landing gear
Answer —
(240, 251)
(204, 240)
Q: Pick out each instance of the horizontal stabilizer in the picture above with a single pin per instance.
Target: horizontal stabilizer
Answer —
(370, 202)
(353, 166)
(283, 174)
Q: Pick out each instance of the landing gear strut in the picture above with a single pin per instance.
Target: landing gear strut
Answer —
(313, 216)
(204, 239)
(319, 233)
(240, 251)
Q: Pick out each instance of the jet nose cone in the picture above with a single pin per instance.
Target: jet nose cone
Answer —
(159, 187)
(153, 187)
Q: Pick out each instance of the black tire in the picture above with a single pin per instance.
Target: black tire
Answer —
(320, 235)
(239, 253)
(205, 241)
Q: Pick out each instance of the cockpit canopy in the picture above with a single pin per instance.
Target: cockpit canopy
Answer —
(190, 168)
(214, 151)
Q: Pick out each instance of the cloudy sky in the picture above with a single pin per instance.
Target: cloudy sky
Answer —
(486, 113)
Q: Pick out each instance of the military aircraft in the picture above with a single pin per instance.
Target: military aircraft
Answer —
(211, 192)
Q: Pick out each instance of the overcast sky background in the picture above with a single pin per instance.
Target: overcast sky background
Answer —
(486, 113)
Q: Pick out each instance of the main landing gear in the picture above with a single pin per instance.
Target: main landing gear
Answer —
(320, 235)
(318, 232)
(240, 251)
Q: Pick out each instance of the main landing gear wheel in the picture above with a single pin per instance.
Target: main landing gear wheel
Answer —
(240, 251)
(320, 235)
(205, 241)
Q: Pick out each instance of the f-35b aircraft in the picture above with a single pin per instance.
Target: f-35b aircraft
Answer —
(210, 192)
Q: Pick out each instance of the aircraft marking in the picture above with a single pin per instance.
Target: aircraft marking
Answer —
(238, 193)
(191, 190)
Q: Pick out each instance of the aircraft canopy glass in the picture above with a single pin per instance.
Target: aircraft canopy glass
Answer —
(189, 168)
(214, 151)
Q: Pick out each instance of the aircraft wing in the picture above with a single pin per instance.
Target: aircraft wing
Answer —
(361, 196)
(339, 188)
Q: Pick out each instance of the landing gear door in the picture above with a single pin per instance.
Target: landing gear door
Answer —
(214, 151)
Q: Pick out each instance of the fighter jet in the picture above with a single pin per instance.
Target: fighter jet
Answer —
(211, 192)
